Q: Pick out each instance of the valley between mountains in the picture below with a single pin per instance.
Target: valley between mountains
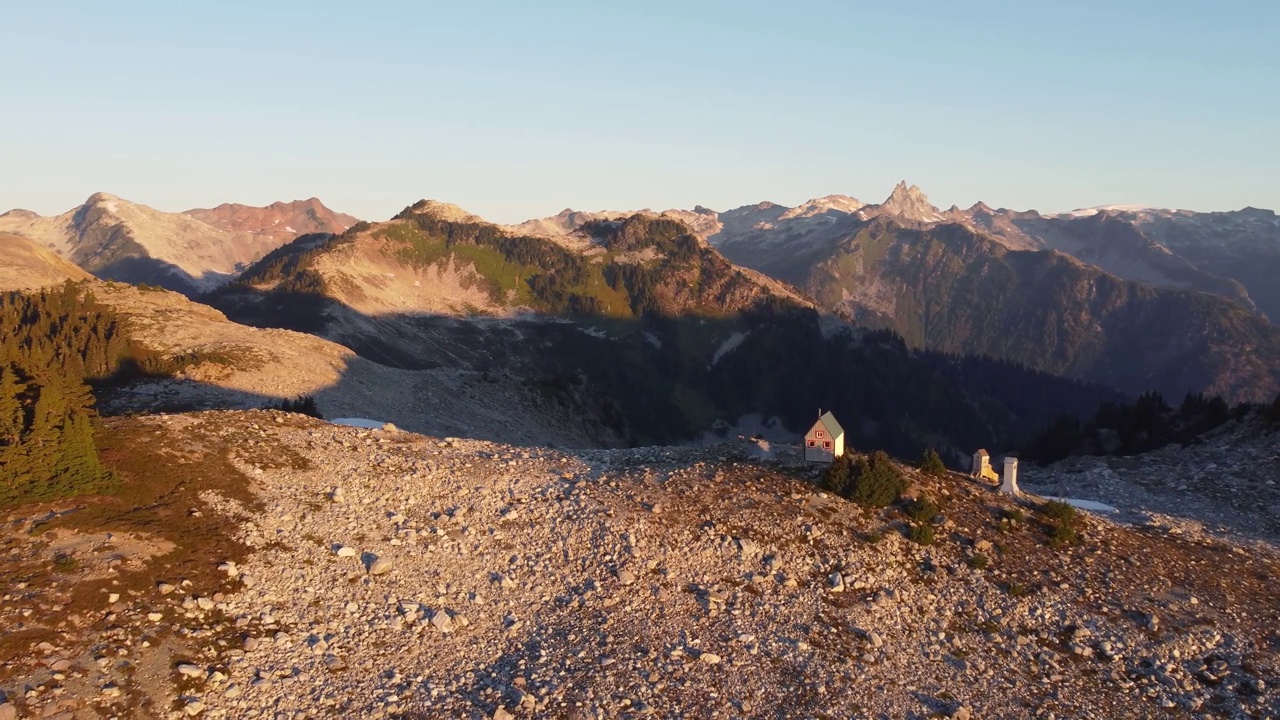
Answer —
(578, 490)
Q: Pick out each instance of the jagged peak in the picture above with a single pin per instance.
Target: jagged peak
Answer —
(910, 203)
(902, 193)
(980, 207)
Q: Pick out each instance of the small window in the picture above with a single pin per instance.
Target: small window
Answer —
(820, 434)
(826, 445)
(813, 443)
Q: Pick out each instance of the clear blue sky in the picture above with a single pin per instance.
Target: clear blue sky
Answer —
(515, 110)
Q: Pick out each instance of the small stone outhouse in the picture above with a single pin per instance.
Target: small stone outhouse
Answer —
(825, 440)
(1009, 484)
(982, 469)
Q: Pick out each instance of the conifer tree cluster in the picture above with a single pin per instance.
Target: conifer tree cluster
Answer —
(51, 344)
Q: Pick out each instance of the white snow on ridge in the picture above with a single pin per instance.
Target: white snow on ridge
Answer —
(728, 345)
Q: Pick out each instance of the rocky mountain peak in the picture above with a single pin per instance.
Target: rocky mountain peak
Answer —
(909, 203)
(446, 211)
(105, 201)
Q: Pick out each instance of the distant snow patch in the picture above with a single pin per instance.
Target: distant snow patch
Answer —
(657, 342)
(594, 332)
(728, 345)
(360, 423)
(289, 229)
(1090, 505)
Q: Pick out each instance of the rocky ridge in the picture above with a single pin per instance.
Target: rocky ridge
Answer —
(115, 239)
(279, 221)
(28, 266)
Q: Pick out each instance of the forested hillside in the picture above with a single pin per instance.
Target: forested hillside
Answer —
(51, 344)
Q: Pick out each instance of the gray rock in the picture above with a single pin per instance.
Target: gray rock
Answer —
(381, 566)
(8, 711)
(442, 622)
(835, 582)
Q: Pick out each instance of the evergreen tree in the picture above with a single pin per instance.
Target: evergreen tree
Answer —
(50, 343)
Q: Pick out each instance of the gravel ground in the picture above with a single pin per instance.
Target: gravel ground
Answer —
(387, 574)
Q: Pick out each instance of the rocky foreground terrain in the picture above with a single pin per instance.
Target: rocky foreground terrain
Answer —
(263, 564)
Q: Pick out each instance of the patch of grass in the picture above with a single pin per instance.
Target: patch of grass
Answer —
(65, 563)
(1014, 514)
(977, 561)
(1015, 589)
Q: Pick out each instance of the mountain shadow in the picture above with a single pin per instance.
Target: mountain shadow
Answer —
(661, 379)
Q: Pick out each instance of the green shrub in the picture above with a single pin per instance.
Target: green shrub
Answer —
(1063, 525)
(923, 510)
(1016, 589)
(836, 477)
(1063, 534)
(64, 563)
(1058, 510)
(977, 561)
(303, 405)
(1014, 515)
(931, 464)
(877, 482)
(920, 534)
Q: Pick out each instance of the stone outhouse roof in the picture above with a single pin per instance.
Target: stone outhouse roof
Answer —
(829, 422)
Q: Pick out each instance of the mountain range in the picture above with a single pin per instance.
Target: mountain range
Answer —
(189, 252)
(1136, 299)
(635, 321)
(1127, 298)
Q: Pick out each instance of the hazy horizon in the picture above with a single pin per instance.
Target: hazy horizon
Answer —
(515, 112)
